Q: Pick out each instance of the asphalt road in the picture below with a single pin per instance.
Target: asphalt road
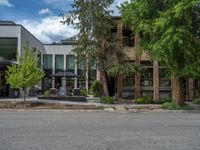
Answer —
(99, 131)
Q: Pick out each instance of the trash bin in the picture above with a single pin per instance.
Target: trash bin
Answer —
(76, 92)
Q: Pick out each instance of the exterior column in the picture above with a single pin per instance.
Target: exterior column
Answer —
(156, 80)
(119, 78)
(53, 70)
(76, 72)
(137, 75)
(191, 89)
(98, 75)
(64, 68)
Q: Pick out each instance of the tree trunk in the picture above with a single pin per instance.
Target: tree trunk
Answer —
(178, 93)
(104, 81)
(24, 94)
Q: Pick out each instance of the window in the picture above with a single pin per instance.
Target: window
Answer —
(8, 48)
(70, 63)
(164, 78)
(47, 61)
(128, 38)
(59, 62)
(147, 77)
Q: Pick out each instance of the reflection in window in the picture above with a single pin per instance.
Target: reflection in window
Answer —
(47, 61)
(59, 62)
(8, 49)
(70, 63)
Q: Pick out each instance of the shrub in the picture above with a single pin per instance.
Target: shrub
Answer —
(83, 92)
(173, 106)
(47, 93)
(107, 100)
(162, 101)
(197, 101)
(144, 100)
(95, 88)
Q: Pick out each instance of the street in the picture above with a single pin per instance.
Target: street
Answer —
(75, 130)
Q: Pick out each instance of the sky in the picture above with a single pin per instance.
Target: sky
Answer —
(41, 17)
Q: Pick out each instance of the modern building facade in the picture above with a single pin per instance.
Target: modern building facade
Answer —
(13, 39)
(55, 58)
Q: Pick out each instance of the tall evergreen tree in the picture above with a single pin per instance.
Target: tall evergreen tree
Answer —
(171, 32)
(96, 42)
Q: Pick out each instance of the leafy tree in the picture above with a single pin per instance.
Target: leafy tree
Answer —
(26, 74)
(170, 32)
(96, 41)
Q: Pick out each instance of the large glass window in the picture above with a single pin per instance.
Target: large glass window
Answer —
(8, 48)
(47, 61)
(70, 63)
(59, 62)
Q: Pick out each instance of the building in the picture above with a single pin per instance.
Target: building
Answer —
(13, 39)
(55, 58)
(153, 82)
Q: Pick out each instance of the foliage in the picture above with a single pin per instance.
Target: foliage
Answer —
(83, 92)
(95, 88)
(173, 106)
(196, 101)
(144, 100)
(107, 100)
(47, 93)
(96, 42)
(170, 32)
(27, 73)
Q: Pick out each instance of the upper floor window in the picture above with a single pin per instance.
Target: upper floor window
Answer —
(8, 48)
(128, 38)
(47, 61)
(59, 62)
(70, 62)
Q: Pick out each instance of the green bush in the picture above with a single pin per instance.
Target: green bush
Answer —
(144, 100)
(173, 106)
(47, 93)
(95, 88)
(197, 101)
(83, 92)
(107, 100)
(162, 101)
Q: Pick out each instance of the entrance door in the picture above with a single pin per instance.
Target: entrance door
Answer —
(58, 82)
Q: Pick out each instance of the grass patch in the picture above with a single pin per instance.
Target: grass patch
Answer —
(173, 106)
(197, 101)
(107, 100)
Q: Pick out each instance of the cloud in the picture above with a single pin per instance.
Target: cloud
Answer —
(44, 11)
(49, 29)
(115, 5)
(6, 3)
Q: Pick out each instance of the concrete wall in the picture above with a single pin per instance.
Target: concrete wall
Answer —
(27, 39)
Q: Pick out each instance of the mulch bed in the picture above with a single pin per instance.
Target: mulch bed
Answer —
(41, 105)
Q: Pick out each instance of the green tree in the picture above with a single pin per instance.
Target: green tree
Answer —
(96, 41)
(170, 32)
(26, 73)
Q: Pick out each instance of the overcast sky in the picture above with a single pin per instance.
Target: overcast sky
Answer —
(41, 18)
